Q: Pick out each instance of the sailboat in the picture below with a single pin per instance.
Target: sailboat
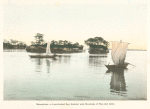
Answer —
(118, 55)
(48, 53)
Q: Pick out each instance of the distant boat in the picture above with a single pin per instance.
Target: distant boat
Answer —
(118, 55)
(48, 53)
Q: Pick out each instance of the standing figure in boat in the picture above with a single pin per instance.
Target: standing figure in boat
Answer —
(118, 55)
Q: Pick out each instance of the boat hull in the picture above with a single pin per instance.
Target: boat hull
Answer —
(42, 56)
(112, 67)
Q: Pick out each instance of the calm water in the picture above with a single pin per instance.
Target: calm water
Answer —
(73, 77)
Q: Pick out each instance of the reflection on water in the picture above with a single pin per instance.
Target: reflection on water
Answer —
(39, 63)
(63, 58)
(48, 65)
(73, 77)
(98, 60)
(117, 83)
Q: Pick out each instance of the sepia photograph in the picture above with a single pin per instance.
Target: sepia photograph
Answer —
(74, 51)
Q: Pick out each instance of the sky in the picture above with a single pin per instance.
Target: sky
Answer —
(76, 21)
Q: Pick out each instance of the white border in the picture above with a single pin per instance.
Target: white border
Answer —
(138, 104)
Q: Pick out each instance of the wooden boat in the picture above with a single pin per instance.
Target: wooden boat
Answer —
(113, 67)
(118, 55)
(48, 52)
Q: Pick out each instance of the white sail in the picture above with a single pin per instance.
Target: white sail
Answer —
(119, 52)
(48, 48)
(114, 47)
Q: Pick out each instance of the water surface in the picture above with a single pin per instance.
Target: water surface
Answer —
(77, 76)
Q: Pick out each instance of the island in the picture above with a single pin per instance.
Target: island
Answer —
(13, 45)
(39, 46)
(97, 45)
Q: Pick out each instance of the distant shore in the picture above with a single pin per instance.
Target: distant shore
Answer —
(24, 50)
(134, 50)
